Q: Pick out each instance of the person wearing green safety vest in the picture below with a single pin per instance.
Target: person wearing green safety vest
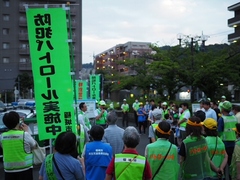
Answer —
(135, 107)
(216, 148)
(183, 122)
(165, 110)
(101, 114)
(125, 110)
(225, 124)
(157, 118)
(235, 164)
(83, 118)
(163, 168)
(194, 159)
(61, 164)
(129, 164)
(17, 144)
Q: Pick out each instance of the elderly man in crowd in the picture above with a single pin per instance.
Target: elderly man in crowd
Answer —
(113, 134)
(129, 164)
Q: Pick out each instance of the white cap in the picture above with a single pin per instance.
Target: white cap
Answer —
(164, 103)
(157, 113)
(223, 97)
(124, 100)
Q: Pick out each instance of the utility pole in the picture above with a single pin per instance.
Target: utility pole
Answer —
(193, 41)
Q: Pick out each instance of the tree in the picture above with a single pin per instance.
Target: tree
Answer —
(25, 82)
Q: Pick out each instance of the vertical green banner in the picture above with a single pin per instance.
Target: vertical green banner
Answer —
(49, 49)
(95, 87)
(81, 88)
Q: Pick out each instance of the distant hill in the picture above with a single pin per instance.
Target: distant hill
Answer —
(87, 65)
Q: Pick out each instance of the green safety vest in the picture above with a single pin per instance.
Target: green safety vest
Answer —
(197, 157)
(49, 167)
(103, 119)
(86, 120)
(233, 166)
(136, 105)
(127, 167)
(156, 153)
(154, 125)
(228, 134)
(184, 124)
(165, 112)
(14, 155)
(125, 107)
(81, 133)
(216, 155)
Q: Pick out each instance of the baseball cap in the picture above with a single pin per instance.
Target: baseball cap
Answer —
(210, 123)
(102, 103)
(164, 103)
(156, 112)
(124, 100)
(226, 105)
(223, 97)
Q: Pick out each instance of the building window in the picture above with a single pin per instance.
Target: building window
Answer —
(6, 3)
(5, 60)
(6, 17)
(23, 60)
(6, 45)
(24, 46)
(5, 31)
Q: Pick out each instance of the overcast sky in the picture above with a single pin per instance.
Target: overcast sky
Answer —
(107, 23)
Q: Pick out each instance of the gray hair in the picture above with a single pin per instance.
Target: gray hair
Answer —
(112, 118)
(131, 137)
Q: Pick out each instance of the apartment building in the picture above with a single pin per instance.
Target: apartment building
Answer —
(14, 52)
(234, 23)
(107, 60)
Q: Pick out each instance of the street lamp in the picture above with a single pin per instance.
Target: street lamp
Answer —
(192, 41)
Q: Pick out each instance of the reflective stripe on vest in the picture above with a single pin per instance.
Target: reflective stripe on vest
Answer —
(233, 167)
(127, 166)
(229, 123)
(154, 128)
(81, 138)
(14, 153)
(184, 124)
(49, 167)
(102, 120)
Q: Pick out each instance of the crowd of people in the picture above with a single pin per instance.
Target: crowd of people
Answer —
(204, 144)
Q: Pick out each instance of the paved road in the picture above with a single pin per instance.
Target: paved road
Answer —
(141, 148)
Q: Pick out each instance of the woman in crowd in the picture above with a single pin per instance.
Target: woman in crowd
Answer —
(61, 165)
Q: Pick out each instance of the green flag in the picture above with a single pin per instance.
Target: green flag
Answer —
(49, 49)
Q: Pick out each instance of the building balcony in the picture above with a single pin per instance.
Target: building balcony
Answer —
(234, 36)
(23, 22)
(21, 8)
(25, 66)
(23, 36)
(24, 51)
(234, 21)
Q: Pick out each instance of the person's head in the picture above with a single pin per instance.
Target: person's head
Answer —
(11, 119)
(83, 106)
(146, 102)
(66, 143)
(102, 104)
(184, 106)
(201, 104)
(124, 101)
(194, 126)
(136, 100)
(112, 118)
(152, 102)
(236, 109)
(154, 106)
(163, 130)
(97, 132)
(164, 105)
(200, 114)
(131, 137)
(206, 105)
(237, 130)
(159, 103)
(223, 98)
(166, 116)
(157, 114)
(214, 104)
(175, 108)
(210, 127)
(141, 105)
(226, 107)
